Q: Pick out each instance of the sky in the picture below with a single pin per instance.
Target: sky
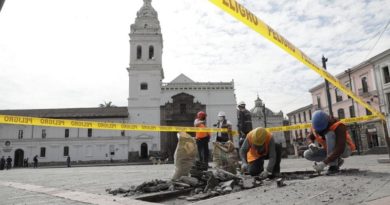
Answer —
(74, 53)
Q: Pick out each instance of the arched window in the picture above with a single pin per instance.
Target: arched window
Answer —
(364, 84)
(144, 86)
(139, 52)
(151, 52)
(341, 113)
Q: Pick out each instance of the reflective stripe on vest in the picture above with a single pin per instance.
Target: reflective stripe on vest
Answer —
(350, 143)
(252, 153)
(348, 139)
(201, 135)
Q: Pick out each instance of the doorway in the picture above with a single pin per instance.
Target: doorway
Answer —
(19, 157)
(144, 151)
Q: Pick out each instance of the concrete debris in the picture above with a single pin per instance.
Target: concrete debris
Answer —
(189, 180)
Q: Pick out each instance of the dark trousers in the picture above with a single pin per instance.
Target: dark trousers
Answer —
(257, 166)
(35, 164)
(203, 149)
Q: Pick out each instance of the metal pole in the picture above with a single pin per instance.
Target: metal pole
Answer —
(1, 4)
(265, 117)
(324, 60)
(386, 135)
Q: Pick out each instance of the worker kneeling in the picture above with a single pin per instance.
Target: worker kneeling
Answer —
(258, 146)
(335, 142)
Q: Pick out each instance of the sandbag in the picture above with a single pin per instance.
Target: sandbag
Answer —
(185, 155)
(225, 156)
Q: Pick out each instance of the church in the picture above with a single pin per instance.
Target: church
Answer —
(150, 101)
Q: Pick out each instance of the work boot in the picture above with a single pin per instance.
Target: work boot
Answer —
(332, 170)
(340, 162)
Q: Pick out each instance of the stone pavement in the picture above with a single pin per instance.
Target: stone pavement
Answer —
(86, 185)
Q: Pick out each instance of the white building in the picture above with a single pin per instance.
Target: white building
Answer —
(150, 101)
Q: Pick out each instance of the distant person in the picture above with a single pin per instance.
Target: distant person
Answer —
(2, 163)
(244, 122)
(224, 124)
(68, 161)
(202, 138)
(35, 161)
(9, 162)
(26, 162)
(335, 142)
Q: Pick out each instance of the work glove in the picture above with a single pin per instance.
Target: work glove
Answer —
(244, 167)
(313, 147)
(319, 166)
(264, 174)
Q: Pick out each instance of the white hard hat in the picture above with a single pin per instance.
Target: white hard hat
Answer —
(241, 103)
(221, 114)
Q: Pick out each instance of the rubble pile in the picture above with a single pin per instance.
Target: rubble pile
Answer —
(201, 184)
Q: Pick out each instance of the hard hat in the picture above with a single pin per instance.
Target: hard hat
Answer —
(201, 115)
(221, 114)
(320, 120)
(242, 103)
(259, 136)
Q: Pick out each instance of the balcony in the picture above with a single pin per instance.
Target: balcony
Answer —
(367, 94)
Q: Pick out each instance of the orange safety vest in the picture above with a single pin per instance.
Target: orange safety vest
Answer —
(201, 135)
(252, 153)
(322, 141)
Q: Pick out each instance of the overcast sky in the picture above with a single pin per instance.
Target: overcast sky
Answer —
(74, 53)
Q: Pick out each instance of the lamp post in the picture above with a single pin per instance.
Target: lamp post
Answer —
(324, 60)
(265, 116)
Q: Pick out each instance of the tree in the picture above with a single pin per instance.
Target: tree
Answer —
(107, 104)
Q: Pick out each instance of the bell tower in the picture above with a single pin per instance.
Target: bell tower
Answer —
(145, 73)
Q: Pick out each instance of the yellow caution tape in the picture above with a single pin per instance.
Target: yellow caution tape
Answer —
(248, 18)
(35, 121)
(47, 122)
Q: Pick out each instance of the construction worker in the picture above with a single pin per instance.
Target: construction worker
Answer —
(202, 138)
(225, 124)
(244, 122)
(329, 142)
(258, 146)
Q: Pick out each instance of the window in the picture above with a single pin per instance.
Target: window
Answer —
(183, 108)
(341, 113)
(122, 133)
(139, 52)
(388, 101)
(310, 114)
(43, 133)
(352, 111)
(90, 132)
(364, 84)
(319, 102)
(295, 119)
(304, 116)
(386, 74)
(339, 97)
(43, 152)
(144, 86)
(367, 111)
(151, 52)
(20, 134)
(299, 117)
(66, 133)
(348, 85)
(66, 151)
(112, 149)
